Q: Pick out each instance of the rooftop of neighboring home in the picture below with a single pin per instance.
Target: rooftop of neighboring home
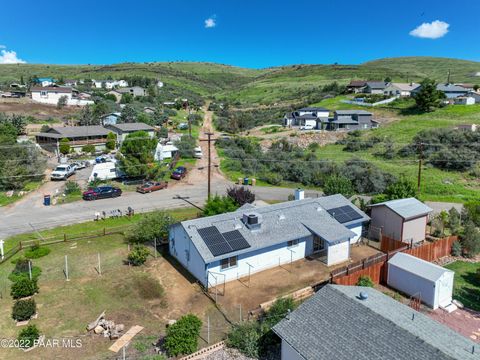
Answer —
(357, 83)
(405, 86)
(313, 109)
(352, 112)
(130, 127)
(377, 84)
(72, 132)
(408, 208)
(451, 88)
(128, 89)
(279, 223)
(38, 80)
(58, 89)
(339, 323)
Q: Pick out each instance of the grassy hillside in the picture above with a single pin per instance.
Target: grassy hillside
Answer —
(251, 86)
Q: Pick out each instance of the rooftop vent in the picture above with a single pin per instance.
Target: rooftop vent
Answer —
(252, 220)
(363, 295)
(281, 217)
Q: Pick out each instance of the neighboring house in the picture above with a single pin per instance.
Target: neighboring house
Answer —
(400, 89)
(403, 219)
(110, 119)
(354, 322)
(166, 151)
(468, 127)
(123, 130)
(468, 87)
(148, 110)
(134, 91)
(451, 91)
(352, 120)
(78, 136)
(475, 95)
(375, 87)
(109, 84)
(313, 116)
(464, 100)
(51, 95)
(44, 82)
(356, 86)
(118, 95)
(70, 82)
(430, 283)
(221, 248)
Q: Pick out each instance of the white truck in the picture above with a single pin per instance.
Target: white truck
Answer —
(62, 172)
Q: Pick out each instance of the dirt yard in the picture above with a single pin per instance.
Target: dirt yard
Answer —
(26, 107)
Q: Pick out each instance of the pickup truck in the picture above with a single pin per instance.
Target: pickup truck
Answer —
(62, 172)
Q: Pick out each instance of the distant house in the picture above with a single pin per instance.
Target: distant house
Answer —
(354, 322)
(400, 89)
(356, 86)
(313, 116)
(475, 95)
(134, 91)
(403, 219)
(117, 94)
(352, 120)
(123, 130)
(109, 84)
(464, 100)
(51, 95)
(375, 87)
(451, 91)
(251, 239)
(110, 119)
(44, 82)
(468, 87)
(78, 136)
(431, 283)
(70, 82)
(148, 110)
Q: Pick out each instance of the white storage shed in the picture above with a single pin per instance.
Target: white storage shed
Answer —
(420, 278)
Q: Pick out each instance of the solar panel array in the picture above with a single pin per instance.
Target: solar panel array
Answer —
(344, 214)
(225, 243)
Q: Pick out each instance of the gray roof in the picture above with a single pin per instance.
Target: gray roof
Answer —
(407, 208)
(336, 324)
(417, 266)
(377, 84)
(451, 88)
(307, 117)
(352, 112)
(280, 223)
(131, 127)
(128, 89)
(75, 131)
(313, 108)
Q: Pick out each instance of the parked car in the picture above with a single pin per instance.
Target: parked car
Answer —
(80, 165)
(102, 192)
(182, 126)
(306, 127)
(62, 172)
(198, 154)
(179, 173)
(150, 186)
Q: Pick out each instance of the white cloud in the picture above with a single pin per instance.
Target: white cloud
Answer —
(434, 30)
(211, 22)
(9, 57)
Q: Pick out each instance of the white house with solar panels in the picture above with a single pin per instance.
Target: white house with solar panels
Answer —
(226, 247)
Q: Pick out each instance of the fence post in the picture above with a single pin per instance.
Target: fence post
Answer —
(104, 231)
(64, 237)
(20, 245)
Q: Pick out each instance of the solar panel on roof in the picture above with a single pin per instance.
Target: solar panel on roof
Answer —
(219, 243)
(344, 214)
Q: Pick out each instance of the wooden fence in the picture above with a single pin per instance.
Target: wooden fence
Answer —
(376, 266)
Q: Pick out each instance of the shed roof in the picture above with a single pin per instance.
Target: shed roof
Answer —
(280, 223)
(417, 266)
(336, 324)
(407, 208)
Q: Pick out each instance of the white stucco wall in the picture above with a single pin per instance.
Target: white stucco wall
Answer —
(357, 229)
(288, 353)
(51, 97)
(338, 253)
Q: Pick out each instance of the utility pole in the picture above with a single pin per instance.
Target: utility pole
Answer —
(420, 160)
(209, 140)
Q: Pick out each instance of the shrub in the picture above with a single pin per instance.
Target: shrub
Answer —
(71, 187)
(245, 337)
(219, 205)
(21, 271)
(182, 337)
(338, 185)
(64, 146)
(89, 148)
(138, 255)
(36, 251)
(28, 336)
(365, 280)
(471, 240)
(241, 195)
(23, 287)
(272, 178)
(155, 225)
(279, 309)
(111, 141)
(24, 309)
(456, 248)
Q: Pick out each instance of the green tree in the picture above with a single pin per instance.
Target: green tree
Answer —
(428, 97)
(186, 146)
(182, 337)
(111, 141)
(401, 189)
(471, 240)
(155, 225)
(137, 154)
(337, 184)
(454, 220)
(126, 98)
(472, 211)
(62, 102)
(128, 114)
(144, 118)
(219, 205)
(19, 122)
(87, 116)
(245, 337)
(100, 108)
(64, 146)
(88, 149)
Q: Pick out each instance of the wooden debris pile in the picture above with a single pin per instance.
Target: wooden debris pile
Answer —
(106, 327)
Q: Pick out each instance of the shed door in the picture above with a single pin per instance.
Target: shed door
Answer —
(444, 291)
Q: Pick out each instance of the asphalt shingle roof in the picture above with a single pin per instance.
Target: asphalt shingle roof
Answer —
(406, 208)
(313, 109)
(131, 127)
(377, 84)
(451, 88)
(280, 223)
(336, 324)
(417, 266)
(75, 131)
(352, 112)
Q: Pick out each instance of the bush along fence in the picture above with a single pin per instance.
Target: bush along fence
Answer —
(376, 266)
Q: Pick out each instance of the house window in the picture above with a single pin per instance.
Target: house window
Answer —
(292, 243)
(318, 244)
(228, 263)
(43, 93)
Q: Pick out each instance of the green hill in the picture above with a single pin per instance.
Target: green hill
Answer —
(252, 86)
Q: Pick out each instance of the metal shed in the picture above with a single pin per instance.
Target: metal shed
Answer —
(433, 284)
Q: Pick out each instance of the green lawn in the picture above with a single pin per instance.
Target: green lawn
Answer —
(466, 287)
(5, 200)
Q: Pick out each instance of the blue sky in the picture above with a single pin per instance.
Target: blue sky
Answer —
(246, 33)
